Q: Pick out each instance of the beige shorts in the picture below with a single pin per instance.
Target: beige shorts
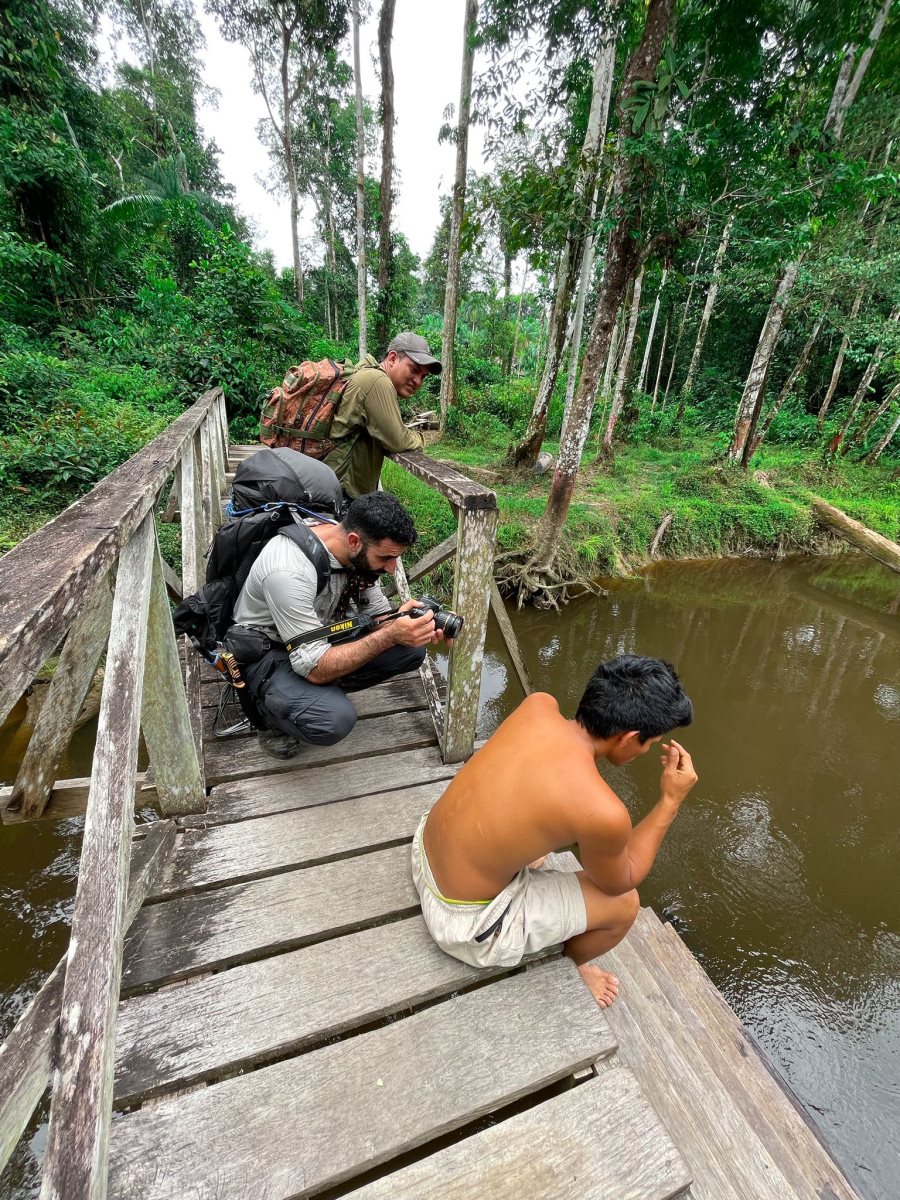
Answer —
(538, 908)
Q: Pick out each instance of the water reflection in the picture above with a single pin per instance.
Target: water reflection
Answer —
(781, 871)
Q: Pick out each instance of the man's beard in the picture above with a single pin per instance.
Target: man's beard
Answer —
(361, 568)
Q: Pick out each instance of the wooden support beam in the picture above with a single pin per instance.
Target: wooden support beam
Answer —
(69, 798)
(471, 594)
(171, 508)
(53, 731)
(75, 1167)
(174, 586)
(857, 534)
(437, 555)
(27, 1056)
(165, 719)
(498, 608)
(191, 559)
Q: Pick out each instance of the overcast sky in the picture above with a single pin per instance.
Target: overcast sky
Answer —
(427, 57)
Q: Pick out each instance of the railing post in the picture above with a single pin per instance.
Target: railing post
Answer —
(191, 573)
(476, 534)
(177, 770)
(206, 486)
(75, 1167)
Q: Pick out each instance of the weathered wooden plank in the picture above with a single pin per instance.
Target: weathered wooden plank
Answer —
(174, 586)
(165, 720)
(599, 1141)
(258, 797)
(69, 798)
(172, 500)
(498, 608)
(182, 937)
(242, 757)
(436, 555)
(206, 485)
(26, 1057)
(74, 674)
(718, 1035)
(227, 853)
(471, 593)
(185, 1035)
(81, 1103)
(43, 579)
(460, 491)
(272, 1132)
(724, 1154)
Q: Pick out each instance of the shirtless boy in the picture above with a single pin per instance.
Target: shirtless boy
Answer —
(534, 788)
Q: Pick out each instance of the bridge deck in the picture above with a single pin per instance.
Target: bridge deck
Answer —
(287, 1028)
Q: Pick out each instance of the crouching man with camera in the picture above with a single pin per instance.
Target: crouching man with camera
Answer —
(312, 623)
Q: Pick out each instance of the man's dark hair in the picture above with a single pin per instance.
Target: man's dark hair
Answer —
(380, 515)
(633, 692)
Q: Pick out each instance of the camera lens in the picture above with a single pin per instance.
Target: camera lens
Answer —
(450, 622)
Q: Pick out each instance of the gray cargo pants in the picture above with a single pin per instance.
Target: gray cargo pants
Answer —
(319, 713)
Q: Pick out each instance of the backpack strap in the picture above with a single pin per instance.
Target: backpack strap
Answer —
(304, 538)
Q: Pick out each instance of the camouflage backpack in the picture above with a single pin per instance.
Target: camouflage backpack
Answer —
(300, 412)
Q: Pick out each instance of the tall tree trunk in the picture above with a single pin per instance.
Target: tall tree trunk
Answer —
(754, 389)
(872, 420)
(360, 190)
(622, 376)
(584, 282)
(525, 454)
(839, 361)
(632, 175)
(287, 142)
(659, 365)
(682, 324)
(861, 392)
(451, 294)
(873, 458)
(645, 362)
(514, 357)
(688, 388)
(799, 366)
(384, 304)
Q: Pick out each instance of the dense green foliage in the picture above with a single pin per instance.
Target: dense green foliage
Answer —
(128, 284)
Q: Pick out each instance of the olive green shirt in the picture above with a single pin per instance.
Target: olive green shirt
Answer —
(366, 426)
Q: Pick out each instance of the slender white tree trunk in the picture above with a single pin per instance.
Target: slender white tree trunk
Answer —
(645, 362)
(584, 282)
(842, 97)
(682, 324)
(619, 396)
(659, 365)
(451, 294)
(839, 361)
(570, 263)
(799, 366)
(688, 388)
(754, 389)
(360, 190)
(872, 420)
(384, 304)
(884, 443)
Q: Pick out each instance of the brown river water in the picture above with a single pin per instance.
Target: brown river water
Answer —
(781, 872)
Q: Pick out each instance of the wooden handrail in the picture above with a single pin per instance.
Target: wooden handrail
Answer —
(43, 579)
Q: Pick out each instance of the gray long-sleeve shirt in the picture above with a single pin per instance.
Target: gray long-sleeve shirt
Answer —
(280, 598)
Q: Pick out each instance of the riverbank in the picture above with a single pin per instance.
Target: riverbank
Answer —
(619, 507)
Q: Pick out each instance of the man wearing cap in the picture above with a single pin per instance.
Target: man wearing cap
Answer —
(367, 424)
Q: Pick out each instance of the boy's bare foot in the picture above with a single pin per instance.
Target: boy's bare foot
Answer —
(604, 986)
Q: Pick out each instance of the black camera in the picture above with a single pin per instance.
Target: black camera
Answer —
(450, 622)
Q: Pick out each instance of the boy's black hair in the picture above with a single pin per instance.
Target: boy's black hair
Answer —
(380, 515)
(633, 692)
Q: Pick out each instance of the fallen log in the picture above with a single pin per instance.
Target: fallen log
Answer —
(857, 534)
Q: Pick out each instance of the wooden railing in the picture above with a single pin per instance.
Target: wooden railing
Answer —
(93, 579)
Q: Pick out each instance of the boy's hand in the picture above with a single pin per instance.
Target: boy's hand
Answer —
(678, 774)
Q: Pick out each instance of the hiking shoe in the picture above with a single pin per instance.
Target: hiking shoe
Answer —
(277, 744)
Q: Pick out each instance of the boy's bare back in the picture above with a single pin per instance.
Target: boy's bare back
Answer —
(533, 788)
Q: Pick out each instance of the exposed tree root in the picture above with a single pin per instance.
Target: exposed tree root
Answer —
(520, 576)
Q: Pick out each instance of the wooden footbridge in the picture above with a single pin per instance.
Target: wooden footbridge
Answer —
(250, 1007)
